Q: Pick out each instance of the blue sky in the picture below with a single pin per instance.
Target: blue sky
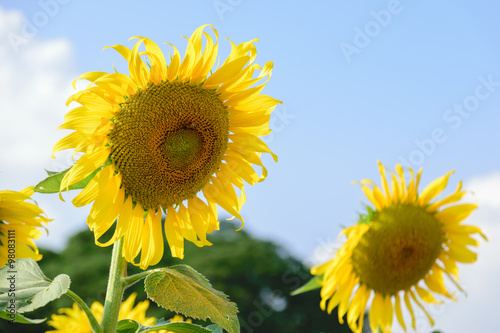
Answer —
(416, 82)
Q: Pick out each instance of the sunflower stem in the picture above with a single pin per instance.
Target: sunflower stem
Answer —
(114, 292)
(93, 322)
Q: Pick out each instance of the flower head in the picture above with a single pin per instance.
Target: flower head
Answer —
(168, 137)
(19, 220)
(74, 319)
(398, 253)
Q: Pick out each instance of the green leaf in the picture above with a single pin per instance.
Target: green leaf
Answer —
(182, 289)
(51, 173)
(52, 183)
(23, 286)
(20, 319)
(177, 327)
(128, 326)
(215, 328)
(312, 284)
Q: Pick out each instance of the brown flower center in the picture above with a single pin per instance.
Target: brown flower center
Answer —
(167, 141)
(399, 249)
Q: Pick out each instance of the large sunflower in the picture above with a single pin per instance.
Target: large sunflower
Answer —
(398, 252)
(74, 320)
(164, 136)
(19, 220)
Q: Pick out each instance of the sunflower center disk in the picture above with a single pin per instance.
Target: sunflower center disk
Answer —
(398, 250)
(182, 148)
(167, 141)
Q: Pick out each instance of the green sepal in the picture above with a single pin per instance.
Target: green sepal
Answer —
(127, 326)
(183, 290)
(23, 284)
(132, 326)
(312, 284)
(367, 217)
(52, 183)
(20, 319)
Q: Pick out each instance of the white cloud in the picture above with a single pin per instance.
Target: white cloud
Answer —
(35, 84)
(480, 309)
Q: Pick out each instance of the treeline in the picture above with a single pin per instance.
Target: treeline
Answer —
(257, 275)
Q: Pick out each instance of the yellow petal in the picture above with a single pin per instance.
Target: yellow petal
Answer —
(252, 142)
(388, 311)
(344, 302)
(216, 194)
(90, 192)
(152, 240)
(158, 63)
(456, 214)
(90, 76)
(371, 196)
(197, 217)
(376, 312)
(426, 296)
(226, 72)
(454, 197)
(384, 182)
(69, 141)
(173, 233)
(106, 207)
(422, 307)
(462, 254)
(399, 314)
(132, 237)
(408, 306)
(435, 282)
(356, 311)
(123, 221)
(173, 68)
(400, 172)
(210, 54)
(87, 164)
(434, 188)
(137, 68)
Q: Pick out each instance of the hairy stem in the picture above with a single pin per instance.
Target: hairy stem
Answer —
(114, 292)
(93, 322)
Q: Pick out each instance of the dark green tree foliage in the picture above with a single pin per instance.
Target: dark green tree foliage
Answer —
(257, 275)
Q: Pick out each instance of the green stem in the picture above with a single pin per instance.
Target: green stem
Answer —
(130, 280)
(93, 322)
(114, 292)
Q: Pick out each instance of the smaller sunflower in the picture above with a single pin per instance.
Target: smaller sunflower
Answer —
(398, 252)
(19, 220)
(74, 320)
